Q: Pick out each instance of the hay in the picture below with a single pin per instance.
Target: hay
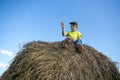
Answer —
(48, 61)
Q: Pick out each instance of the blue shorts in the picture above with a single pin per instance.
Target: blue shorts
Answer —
(78, 41)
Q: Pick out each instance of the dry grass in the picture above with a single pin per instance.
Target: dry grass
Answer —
(48, 61)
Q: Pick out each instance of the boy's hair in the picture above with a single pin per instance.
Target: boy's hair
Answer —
(74, 23)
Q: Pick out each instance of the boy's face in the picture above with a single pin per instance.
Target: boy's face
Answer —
(73, 27)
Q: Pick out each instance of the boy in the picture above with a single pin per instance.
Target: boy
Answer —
(72, 36)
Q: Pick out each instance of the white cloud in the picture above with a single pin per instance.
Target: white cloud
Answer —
(3, 65)
(6, 52)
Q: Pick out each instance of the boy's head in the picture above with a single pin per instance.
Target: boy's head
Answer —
(74, 26)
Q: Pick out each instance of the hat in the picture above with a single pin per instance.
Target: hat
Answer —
(74, 23)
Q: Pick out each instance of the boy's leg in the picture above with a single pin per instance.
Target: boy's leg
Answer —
(79, 45)
(66, 42)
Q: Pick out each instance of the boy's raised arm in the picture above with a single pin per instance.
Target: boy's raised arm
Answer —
(62, 25)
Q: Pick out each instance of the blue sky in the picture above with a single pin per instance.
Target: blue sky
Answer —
(23, 21)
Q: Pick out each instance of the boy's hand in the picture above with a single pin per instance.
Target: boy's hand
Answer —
(62, 24)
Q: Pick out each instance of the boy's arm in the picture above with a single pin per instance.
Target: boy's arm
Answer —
(80, 35)
(62, 25)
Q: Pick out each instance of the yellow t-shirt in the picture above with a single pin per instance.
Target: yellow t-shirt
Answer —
(73, 35)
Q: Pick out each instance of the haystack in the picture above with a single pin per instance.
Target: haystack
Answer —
(48, 61)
